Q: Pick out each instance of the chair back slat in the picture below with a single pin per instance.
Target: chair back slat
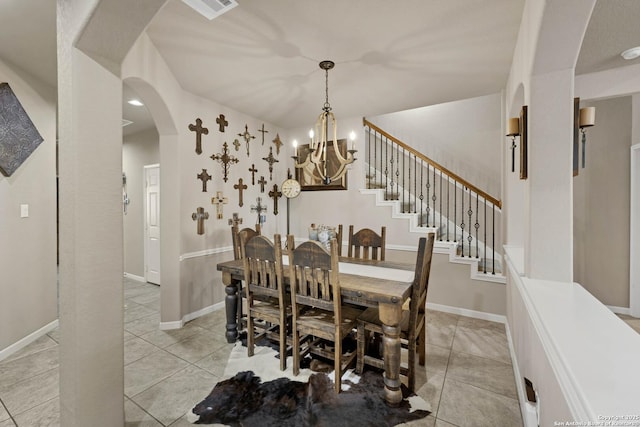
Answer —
(263, 266)
(367, 244)
(421, 279)
(238, 237)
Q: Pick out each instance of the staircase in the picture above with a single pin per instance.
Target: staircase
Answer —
(431, 198)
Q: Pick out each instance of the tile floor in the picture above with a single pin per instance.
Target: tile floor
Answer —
(468, 379)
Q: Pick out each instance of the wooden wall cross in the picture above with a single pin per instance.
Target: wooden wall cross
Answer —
(277, 143)
(200, 215)
(235, 220)
(236, 144)
(240, 186)
(275, 195)
(221, 122)
(204, 177)
(253, 171)
(263, 132)
(271, 160)
(199, 130)
(262, 182)
(247, 137)
(219, 200)
(225, 159)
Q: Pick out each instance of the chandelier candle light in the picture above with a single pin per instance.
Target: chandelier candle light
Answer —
(317, 151)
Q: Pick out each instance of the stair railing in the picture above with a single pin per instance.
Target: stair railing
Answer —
(429, 189)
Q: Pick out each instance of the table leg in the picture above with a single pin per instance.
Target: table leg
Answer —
(231, 306)
(390, 315)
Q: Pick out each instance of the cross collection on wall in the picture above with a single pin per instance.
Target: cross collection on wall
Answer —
(226, 159)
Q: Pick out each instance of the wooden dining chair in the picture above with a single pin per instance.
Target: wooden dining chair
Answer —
(316, 304)
(239, 236)
(265, 292)
(412, 325)
(367, 244)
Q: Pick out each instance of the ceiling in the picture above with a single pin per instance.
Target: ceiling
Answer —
(261, 58)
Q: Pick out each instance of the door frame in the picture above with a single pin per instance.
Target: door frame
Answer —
(634, 228)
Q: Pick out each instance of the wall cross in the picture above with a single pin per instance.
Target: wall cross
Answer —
(262, 182)
(240, 186)
(200, 215)
(263, 132)
(236, 144)
(219, 200)
(271, 160)
(247, 137)
(235, 220)
(275, 195)
(222, 123)
(225, 159)
(259, 208)
(277, 143)
(199, 130)
(253, 171)
(204, 177)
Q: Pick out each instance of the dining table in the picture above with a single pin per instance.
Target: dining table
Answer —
(367, 283)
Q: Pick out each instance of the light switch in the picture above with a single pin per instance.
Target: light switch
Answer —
(24, 211)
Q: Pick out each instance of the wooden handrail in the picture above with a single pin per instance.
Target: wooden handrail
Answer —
(436, 165)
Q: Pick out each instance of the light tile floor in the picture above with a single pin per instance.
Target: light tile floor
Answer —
(468, 378)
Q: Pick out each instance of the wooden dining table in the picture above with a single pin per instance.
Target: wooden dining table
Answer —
(382, 284)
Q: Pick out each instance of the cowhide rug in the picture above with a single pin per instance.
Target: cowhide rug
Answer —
(264, 397)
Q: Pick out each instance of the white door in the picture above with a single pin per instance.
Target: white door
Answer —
(152, 224)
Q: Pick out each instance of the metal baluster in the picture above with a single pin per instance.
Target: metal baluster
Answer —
(462, 217)
(493, 238)
(415, 182)
(448, 219)
(398, 171)
(391, 164)
(470, 213)
(485, 237)
(403, 182)
(428, 199)
(455, 210)
(433, 197)
(477, 225)
(421, 195)
(386, 170)
(440, 223)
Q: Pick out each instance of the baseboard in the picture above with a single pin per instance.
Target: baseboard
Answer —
(135, 277)
(468, 313)
(620, 310)
(18, 345)
(177, 324)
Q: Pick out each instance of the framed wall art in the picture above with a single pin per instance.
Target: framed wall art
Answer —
(524, 147)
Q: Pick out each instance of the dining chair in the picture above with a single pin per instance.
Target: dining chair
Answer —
(367, 244)
(412, 325)
(265, 292)
(316, 304)
(239, 236)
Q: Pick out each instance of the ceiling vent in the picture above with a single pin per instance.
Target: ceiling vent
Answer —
(211, 8)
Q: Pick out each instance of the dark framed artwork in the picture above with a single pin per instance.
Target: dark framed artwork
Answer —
(576, 135)
(524, 148)
(310, 179)
(18, 135)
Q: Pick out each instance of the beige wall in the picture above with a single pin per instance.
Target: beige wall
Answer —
(601, 205)
(28, 284)
(138, 150)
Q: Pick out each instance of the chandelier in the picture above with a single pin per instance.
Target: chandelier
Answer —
(316, 158)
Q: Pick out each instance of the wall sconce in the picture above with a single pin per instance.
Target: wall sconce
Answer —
(587, 119)
(513, 130)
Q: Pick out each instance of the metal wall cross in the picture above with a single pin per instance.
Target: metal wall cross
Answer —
(271, 160)
(263, 132)
(262, 182)
(199, 130)
(253, 171)
(225, 159)
(275, 195)
(259, 208)
(240, 186)
(219, 200)
(204, 177)
(277, 143)
(200, 215)
(247, 137)
(222, 123)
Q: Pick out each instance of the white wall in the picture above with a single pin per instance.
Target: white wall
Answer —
(138, 150)
(601, 205)
(28, 283)
(463, 136)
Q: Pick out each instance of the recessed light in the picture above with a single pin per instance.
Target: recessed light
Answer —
(632, 53)
(136, 102)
